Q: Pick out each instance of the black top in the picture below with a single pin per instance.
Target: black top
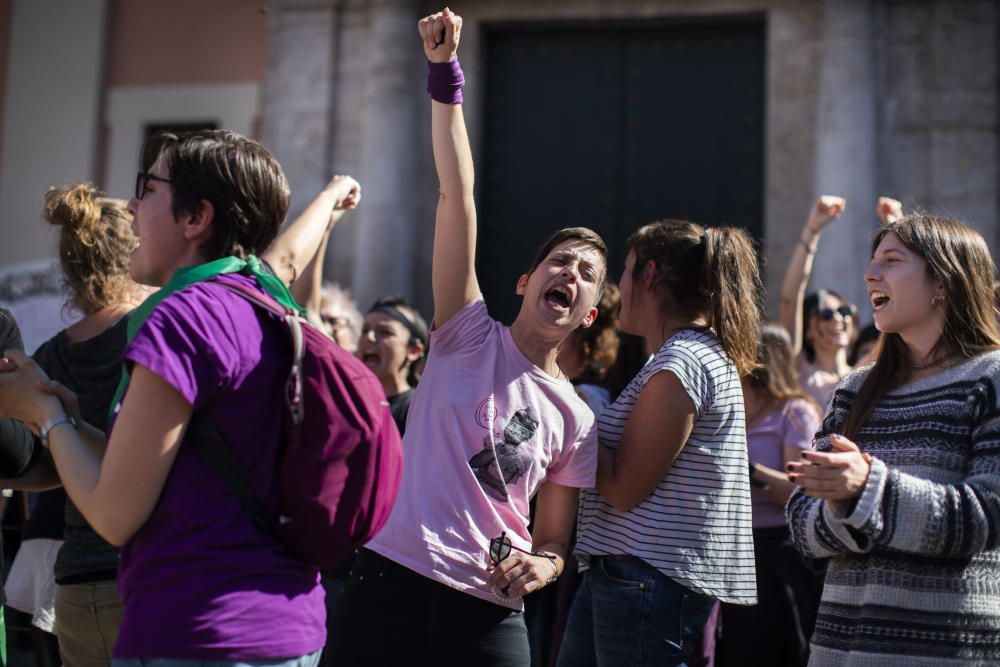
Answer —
(92, 369)
(17, 443)
(399, 405)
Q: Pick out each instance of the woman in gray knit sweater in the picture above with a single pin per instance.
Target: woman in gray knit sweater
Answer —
(903, 488)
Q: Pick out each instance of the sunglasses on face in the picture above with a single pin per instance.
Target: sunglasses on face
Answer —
(142, 180)
(826, 314)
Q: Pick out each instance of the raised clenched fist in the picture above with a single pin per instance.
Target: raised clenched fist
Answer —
(440, 34)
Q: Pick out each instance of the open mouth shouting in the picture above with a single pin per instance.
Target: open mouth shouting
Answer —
(879, 300)
(558, 297)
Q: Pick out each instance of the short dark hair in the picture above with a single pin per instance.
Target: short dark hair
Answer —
(240, 178)
(417, 329)
(584, 234)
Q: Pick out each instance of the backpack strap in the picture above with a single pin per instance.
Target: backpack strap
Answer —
(205, 435)
(214, 451)
(264, 301)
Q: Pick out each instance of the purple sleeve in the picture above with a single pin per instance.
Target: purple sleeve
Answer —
(801, 424)
(189, 341)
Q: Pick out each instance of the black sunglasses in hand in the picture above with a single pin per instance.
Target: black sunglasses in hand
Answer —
(500, 548)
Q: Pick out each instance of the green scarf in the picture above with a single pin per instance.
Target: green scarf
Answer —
(195, 274)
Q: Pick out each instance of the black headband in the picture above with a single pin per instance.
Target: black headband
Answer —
(416, 328)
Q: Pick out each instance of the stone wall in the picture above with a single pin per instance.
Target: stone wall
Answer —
(863, 97)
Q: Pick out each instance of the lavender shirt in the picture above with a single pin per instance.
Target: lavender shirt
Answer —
(794, 423)
(198, 581)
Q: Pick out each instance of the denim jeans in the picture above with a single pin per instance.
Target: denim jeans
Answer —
(628, 613)
(311, 660)
(390, 615)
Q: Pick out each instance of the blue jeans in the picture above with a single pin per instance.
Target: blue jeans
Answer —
(628, 613)
(311, 660)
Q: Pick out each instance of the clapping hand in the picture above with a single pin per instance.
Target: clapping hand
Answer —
(833, 476)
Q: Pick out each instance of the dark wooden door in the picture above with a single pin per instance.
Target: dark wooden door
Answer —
(612, 129)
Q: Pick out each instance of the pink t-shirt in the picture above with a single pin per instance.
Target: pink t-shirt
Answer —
(486, 427)
(794, 424)
(819, 384)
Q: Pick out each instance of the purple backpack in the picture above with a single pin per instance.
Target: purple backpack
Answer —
(341, 462)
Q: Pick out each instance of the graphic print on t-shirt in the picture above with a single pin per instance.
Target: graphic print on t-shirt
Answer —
(497, 466)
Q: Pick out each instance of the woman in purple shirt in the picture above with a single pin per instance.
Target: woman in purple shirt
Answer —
(199, 582)
(781, 420)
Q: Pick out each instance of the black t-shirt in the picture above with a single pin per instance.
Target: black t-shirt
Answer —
(17, 443)
(92, 369)
(399, 405)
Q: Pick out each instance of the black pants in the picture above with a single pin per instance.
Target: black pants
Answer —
(775, 632)
(389, 615)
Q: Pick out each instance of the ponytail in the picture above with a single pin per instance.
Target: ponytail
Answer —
(710, 272)
(733, 289)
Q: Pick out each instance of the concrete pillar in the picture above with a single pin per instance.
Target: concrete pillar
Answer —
(384, 240)
(296, 107)
(845, 146)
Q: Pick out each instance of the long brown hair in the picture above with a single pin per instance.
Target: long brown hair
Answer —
(775, 376)
(707, 271)
(958, 258)
(95, 241)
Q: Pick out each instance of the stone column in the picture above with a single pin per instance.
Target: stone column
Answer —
(297, 92)
(384, 243)
(845, 146)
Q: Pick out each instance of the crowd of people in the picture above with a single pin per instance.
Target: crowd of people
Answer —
(640, 473)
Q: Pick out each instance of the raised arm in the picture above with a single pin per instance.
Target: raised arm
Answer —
(299, 243)
(453, 275)
(888, 210)
(793, 288)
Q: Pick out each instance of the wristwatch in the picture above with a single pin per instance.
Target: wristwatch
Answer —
(47, 427)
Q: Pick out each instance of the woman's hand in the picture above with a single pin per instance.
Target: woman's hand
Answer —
(888, 210)
(520, 574)
(832, 476)
(440, 33)
(67, 397)
(825, 210)
(346, 192)
(21, 395)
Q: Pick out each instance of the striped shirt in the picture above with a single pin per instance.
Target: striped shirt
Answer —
(695, 527)
(914, 575)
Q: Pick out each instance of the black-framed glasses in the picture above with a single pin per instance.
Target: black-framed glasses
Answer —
(826, 314)
(142, 180)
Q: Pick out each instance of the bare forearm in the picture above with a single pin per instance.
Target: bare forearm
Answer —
(306, 289)
(778, 488)
(298, 242)
(452, 153)
(77, 456)
(793, 287)
(453, 277)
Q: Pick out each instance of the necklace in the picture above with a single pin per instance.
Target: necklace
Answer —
(935, 362)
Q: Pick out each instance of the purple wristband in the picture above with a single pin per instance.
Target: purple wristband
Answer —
(445, 81)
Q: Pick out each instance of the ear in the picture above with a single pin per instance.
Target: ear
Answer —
(589, 319)
(649, 275)
(522, 285)
(415, 351)
(199, 225)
